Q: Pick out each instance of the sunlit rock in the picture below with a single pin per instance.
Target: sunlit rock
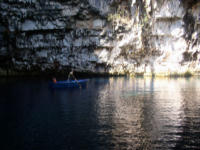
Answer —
(169, 9)
(101, 36)
(168, 28)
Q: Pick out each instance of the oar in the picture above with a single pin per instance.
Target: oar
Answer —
(78, 83)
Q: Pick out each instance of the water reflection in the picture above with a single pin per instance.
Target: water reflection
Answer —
(110, 113)
(149, 113)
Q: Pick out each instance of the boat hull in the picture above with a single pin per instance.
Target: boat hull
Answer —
(69, 84)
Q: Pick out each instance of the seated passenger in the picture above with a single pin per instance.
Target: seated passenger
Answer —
(54, 80)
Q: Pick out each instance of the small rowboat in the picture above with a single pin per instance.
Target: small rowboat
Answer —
(69, 84)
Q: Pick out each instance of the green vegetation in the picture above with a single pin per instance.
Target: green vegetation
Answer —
(139, 74)
(120, 16)
(185, 74)
(145, 21)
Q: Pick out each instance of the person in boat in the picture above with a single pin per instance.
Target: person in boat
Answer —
(54, 80)
(71, 75)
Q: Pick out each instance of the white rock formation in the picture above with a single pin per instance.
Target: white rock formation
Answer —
(145, 36)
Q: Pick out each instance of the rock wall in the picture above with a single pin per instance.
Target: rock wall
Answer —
(175, 32)
(100, 36)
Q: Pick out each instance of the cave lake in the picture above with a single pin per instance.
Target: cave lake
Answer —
(115, 113)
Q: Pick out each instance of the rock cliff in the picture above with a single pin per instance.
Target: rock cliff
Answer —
(158, 37)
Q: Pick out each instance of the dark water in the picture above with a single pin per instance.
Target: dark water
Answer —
(109, 114)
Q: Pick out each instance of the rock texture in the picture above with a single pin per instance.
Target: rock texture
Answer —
(175, 32)
(100, 36)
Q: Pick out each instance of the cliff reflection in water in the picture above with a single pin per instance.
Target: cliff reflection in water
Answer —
(110, 113)
(150, 113)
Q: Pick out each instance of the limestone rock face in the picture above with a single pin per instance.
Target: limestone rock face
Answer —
(100, 36)
(175, 23)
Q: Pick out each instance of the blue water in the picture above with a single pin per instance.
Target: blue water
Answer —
(108, 114)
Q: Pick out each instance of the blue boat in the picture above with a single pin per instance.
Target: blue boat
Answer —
(69, 84)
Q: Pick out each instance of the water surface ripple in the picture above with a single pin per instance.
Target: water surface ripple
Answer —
(109, 114)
